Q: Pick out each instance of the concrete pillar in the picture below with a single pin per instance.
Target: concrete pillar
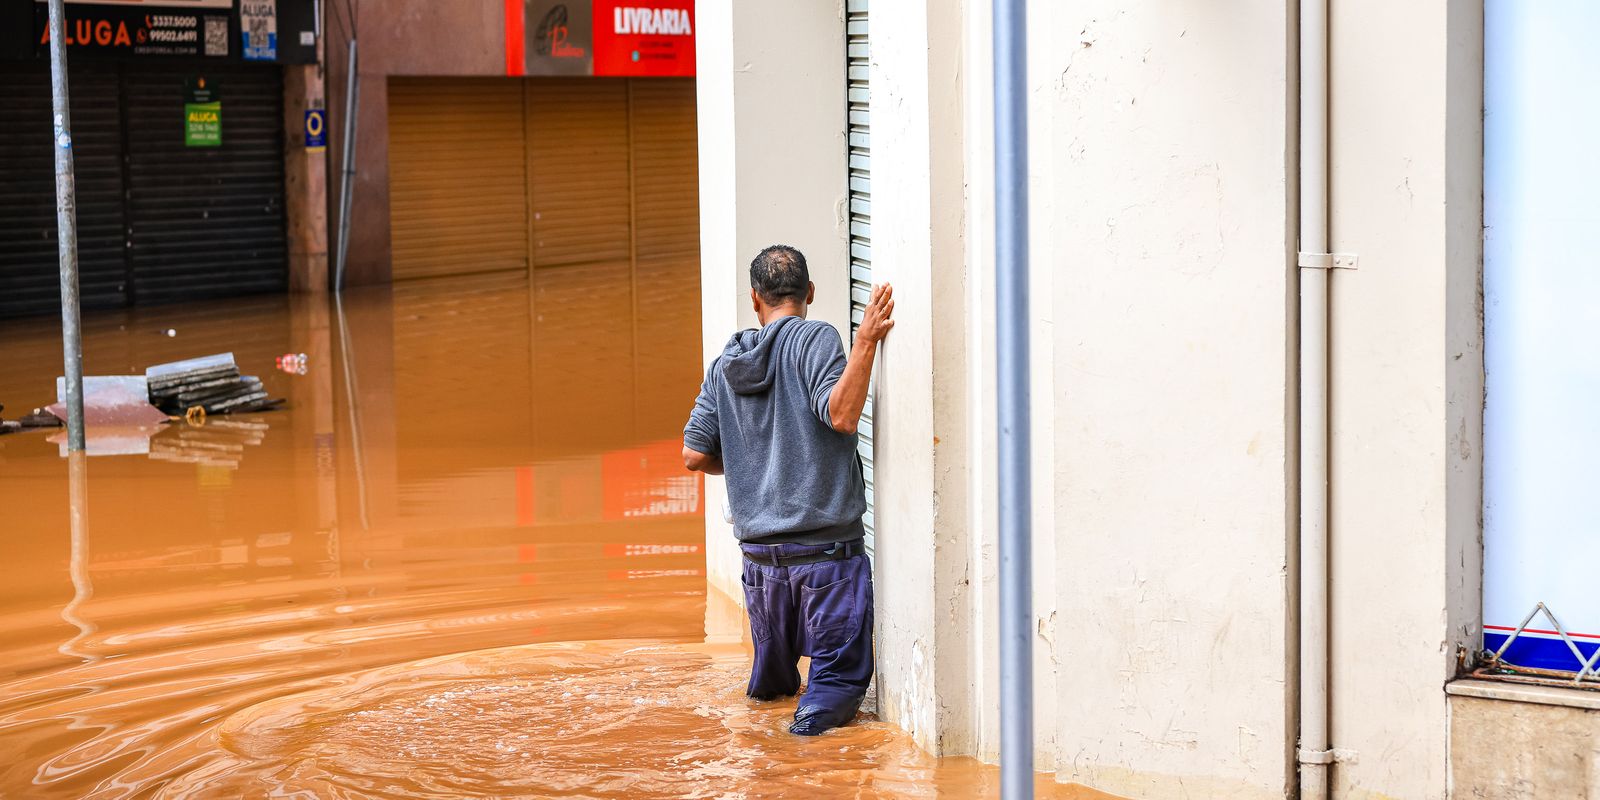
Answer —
(924, 617)
(1407, 378)
(305, 179)
(771, 95)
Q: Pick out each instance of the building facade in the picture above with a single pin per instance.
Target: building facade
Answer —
(1166, 179)
(495, 137)
(488, 136)
(197, 174)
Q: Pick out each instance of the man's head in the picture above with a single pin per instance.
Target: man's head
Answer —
(779, 280)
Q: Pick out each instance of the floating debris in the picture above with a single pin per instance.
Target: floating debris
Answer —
(210, 383)
(121, 401)
(40, 418)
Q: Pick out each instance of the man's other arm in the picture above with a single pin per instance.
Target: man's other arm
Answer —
(849, 395)
(697, 461)
(702, 440)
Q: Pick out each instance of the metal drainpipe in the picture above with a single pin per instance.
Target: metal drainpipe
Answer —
(1313, 753)
(352, 107)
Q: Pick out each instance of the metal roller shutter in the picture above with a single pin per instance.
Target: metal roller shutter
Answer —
(578, 164)
(860, 164)
(666, 234)
(29, 273)
(458, 187)
(664, 152)
(204, 222)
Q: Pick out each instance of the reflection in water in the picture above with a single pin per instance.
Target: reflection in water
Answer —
(217, 441)
(295, 599)
(78, 566)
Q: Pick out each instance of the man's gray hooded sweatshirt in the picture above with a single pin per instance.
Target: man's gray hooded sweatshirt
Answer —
(763, 409)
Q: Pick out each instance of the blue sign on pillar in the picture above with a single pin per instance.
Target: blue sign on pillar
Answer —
(316, 130)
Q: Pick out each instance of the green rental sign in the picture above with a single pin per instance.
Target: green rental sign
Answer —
(202, 114)
(202, 124)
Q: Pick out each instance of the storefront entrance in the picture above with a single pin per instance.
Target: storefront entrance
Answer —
(504, 174)
(161, 217)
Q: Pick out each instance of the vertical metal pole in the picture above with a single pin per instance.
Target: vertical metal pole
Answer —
(352, 98)
(1012, 395)
(66, 228)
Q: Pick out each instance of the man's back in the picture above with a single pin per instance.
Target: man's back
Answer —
(777, 414)
(763, 408)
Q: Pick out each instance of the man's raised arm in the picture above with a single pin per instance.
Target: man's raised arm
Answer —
(849, 395)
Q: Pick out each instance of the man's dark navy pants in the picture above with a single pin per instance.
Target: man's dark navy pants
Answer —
(822, 610)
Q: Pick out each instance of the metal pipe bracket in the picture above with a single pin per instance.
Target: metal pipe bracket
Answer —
(1335, 755)
(1328, 260)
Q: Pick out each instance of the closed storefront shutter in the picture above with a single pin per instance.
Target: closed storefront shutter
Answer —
(490, 174)
(157, 221)
(457, 183)
(860, 165)
(665, 168)
(578, 165)
(204, 221)
(29, 265)
(666, 203)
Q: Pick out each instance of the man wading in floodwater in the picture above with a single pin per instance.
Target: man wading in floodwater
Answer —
(778, 413)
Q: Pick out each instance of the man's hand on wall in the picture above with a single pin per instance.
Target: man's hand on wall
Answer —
(876, 319)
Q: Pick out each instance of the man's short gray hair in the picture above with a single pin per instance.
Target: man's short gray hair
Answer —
(779, 275)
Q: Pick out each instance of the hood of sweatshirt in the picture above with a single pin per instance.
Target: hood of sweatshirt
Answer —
(747, 360)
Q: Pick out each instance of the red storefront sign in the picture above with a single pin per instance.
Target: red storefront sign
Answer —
(644, 38)
(604, 38)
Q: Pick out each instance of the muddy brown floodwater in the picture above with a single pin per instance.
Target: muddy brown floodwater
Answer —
(463, 561)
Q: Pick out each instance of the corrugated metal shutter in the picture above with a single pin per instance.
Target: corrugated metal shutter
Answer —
(860, 165)
(578, 165)
(29, 276)
(204, 222)
(458, 189)
(665, 167)
(666, 242)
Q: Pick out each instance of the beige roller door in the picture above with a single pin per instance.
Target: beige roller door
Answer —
(492, 174)
(578, 163)
(665, 168)
(457, 182)
(666, 239)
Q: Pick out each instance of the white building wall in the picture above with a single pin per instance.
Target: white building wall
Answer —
(1164, 198)
(1172, 245)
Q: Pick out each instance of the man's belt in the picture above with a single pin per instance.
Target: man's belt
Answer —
(838, 551)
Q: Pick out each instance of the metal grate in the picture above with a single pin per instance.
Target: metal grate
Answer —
(1586, 666)
(859, 139)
